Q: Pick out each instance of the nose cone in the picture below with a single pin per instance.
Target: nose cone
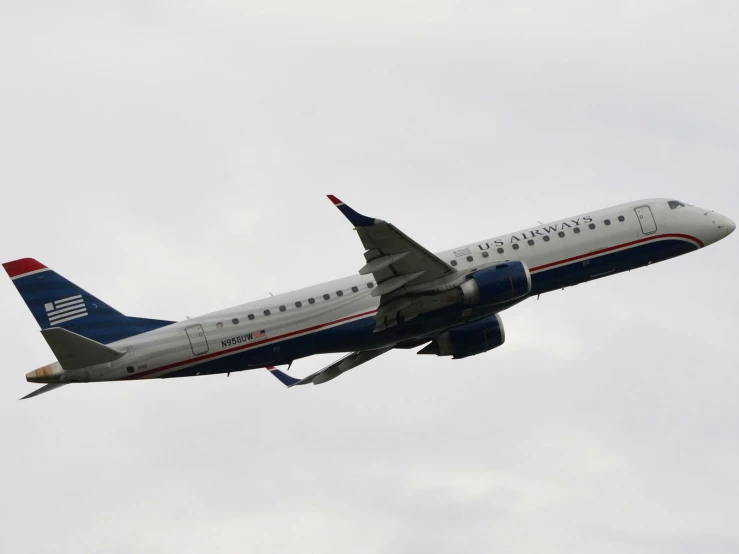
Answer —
(725, 225)
(715, 227)
(730, 226)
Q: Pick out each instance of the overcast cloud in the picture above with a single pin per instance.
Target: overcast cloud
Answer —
(173, 157)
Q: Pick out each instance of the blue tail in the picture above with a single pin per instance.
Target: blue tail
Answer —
(56, 302)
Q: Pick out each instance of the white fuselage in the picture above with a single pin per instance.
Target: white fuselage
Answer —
(557, 254)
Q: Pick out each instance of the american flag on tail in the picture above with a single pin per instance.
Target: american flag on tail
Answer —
(66, 309)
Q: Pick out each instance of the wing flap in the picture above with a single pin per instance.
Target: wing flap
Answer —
(381, 262)
(394, 283)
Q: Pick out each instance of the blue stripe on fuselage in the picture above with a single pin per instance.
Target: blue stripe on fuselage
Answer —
(608, 264)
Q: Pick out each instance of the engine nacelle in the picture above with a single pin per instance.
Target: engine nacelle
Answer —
(497, 284)
(468, 340)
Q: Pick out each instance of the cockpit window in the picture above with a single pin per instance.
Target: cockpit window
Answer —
(674, 204)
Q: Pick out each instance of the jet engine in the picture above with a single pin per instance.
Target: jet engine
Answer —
(468, 340)
(490, 286)
(497, 284)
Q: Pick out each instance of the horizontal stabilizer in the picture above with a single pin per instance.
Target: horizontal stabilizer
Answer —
(46, 388)
(74, 351)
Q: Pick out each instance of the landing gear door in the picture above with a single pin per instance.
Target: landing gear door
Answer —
(198, 341)
(646, 220)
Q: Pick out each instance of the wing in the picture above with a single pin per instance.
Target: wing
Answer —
(350, 361)
(396, 262)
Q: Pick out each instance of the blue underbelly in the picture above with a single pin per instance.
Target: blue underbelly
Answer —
(608, 264)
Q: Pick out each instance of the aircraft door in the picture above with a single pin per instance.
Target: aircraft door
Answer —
(198, 341)
(646, 219)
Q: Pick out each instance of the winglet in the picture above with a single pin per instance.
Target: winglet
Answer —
(284, 378)
(356, 219)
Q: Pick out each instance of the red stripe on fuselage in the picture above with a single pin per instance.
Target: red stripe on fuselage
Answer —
(249, 346)
(612, 248)
(364, 314)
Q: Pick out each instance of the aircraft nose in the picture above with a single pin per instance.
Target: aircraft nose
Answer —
(719, 226)
(725, 225)
(730, 226)
(715, 227)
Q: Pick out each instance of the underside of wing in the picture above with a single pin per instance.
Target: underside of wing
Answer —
(331, 371)
(398, 263)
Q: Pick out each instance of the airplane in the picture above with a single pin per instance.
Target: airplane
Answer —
(403, 297)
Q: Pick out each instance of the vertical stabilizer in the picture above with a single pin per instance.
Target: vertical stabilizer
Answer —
(56, 302)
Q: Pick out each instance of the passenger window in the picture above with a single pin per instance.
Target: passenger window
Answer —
(250, 316)
(485, 254)
(267, 312)
(235, 321)
(561, 234)
(621, 218)
(370, 285)
(219, 325)
(515, 246)
(500, 250)
(607, 221)
(311, 301)
(298, 304)
(355, 289)
(454, 263)
(326, 296)
(546, 238)
(339, 293)
(283, 308)
(576, 230)
(592, 225)
(469, 258)
(531, 242)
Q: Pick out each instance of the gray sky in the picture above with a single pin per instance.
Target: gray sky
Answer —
(172, 159)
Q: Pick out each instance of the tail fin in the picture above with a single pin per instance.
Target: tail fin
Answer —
(56, 302)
